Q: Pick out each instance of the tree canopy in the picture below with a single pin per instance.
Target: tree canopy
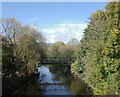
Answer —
(23, 47)
(99, 51)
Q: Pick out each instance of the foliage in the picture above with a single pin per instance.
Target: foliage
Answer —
(22, 48)
(99, 51)
(61, 53)
(73, 42)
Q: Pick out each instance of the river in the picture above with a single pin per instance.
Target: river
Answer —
(54, 80)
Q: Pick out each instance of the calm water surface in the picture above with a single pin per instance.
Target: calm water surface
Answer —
(54, 80)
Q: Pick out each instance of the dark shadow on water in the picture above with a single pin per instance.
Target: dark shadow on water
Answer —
(30, 87)
(74, 87)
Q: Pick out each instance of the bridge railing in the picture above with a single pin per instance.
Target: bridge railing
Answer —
(61, 60)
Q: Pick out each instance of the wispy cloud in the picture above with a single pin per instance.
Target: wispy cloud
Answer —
(34, 19)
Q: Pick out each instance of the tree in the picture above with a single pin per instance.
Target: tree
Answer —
(23, 47)
(61, 53)
(73, 42)
(99, 50)
(54, 54)
(29, 49)
(10, 28)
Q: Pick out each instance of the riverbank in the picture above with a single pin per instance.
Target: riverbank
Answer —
(14, 82)
(90, 88)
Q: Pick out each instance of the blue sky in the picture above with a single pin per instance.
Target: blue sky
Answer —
(57, 21)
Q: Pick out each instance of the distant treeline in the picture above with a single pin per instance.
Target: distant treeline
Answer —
(98, 56)
(63, 53)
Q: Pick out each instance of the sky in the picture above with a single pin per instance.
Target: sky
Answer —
(58, 21)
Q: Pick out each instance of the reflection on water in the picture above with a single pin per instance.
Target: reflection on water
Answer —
(53, 74)
(45, 76)
(54, 80)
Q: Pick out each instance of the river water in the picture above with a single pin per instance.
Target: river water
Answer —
(54, 80)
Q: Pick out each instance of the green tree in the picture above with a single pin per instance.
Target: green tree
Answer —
(54, 54)
(73, 42)
(99, 51)
(29, 49)
(59, 52)
(23, 47)
(10, 29)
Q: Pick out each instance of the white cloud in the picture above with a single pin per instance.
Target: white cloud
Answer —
(53, 30)
(64, 32)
